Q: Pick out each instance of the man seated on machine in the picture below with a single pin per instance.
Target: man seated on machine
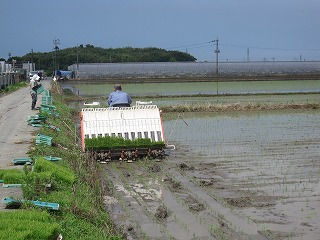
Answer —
(119, 98)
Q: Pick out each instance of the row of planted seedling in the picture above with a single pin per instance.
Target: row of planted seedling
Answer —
(109, 142)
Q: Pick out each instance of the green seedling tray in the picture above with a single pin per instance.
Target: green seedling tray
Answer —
(21, 161)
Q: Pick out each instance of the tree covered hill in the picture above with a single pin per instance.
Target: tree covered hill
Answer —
(61, 59)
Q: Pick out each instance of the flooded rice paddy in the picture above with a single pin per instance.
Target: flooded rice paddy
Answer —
(233, 174)
(270, 165)
(194, 88)
(244, 175)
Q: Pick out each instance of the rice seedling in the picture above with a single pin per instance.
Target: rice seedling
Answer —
(28, 224)
(60, 173)
(12, 176)
(109, 142)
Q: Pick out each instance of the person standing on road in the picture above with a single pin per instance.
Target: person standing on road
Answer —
(119, 98)
(33, 90)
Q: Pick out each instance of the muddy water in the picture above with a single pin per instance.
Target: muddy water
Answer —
(266, 168)
(244, 175)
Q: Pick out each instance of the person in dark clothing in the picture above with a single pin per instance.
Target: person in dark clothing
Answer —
(34, 85)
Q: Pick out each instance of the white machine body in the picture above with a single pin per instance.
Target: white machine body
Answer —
(140, 121)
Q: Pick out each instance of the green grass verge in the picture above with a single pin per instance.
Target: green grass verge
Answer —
(13, 87)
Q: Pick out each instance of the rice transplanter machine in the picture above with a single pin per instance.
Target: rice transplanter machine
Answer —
(131, 124)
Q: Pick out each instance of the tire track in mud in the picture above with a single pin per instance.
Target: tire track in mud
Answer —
(126, 208)
(215, 213)
(146, 209)
(167, 204)
(204, 181)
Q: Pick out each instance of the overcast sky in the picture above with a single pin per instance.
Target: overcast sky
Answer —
(254, 29)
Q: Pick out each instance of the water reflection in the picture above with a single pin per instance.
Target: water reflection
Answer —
(196, 88)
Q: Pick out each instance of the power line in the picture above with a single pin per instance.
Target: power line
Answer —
(190, 45)
(207, 44)
(269, 48)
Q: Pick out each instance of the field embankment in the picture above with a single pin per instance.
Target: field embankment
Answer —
(238, 107)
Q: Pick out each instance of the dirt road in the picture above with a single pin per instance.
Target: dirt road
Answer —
(15, 134)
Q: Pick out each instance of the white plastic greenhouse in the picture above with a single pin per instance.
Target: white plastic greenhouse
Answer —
(174, 69)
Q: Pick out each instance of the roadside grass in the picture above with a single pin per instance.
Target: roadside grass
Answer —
(73, 182)
(13, 88)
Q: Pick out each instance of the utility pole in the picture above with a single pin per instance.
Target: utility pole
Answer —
(217, 51)
(77, 58)
(9, 56)
(248, 58)
(32, 60)
(56, 42)
(78, 50)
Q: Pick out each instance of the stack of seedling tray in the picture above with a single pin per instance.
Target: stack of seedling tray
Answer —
(49, 109)
(40, 89)
(43, 139)
(46, 98)
(36, 120)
